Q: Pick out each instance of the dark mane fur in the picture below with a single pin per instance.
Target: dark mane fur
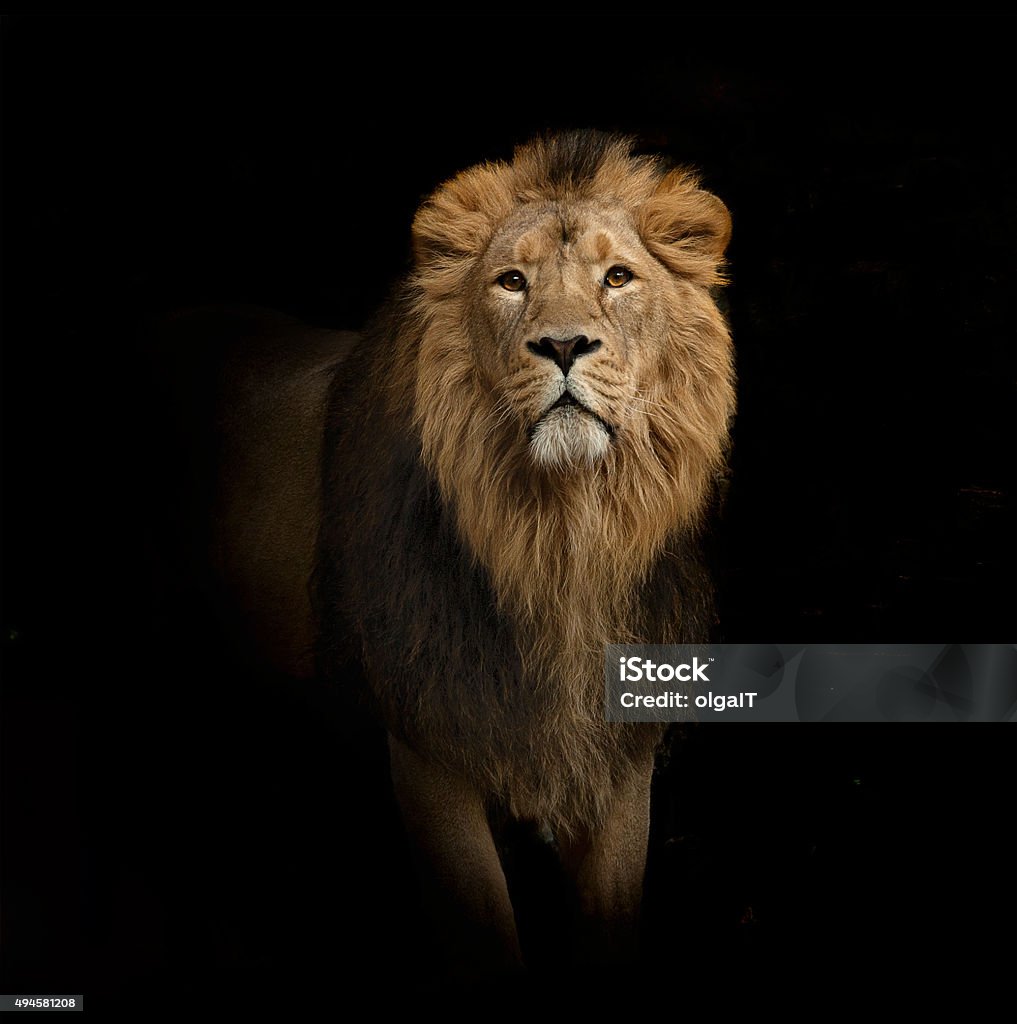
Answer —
(573, 158)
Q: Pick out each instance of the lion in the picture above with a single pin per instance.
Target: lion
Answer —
(508, 470)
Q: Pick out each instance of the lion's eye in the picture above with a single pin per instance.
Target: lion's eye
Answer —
(512, 281)
(617, 277)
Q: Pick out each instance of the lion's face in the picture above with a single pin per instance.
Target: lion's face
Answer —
(572, 313)
(572, 375)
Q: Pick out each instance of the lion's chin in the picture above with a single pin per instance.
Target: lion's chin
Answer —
(569, 437)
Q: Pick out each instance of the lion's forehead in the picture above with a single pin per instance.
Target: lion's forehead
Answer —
(586, 232)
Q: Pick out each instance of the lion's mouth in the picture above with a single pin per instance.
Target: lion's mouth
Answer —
(566, 400)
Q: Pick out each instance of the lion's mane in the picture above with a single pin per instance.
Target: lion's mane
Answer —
(479, 589)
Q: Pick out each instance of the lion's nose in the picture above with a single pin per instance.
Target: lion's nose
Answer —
(564, 351)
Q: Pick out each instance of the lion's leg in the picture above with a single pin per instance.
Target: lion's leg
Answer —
(608, 867)
(461, 874)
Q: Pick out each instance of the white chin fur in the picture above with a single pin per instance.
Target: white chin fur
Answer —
(568, 437)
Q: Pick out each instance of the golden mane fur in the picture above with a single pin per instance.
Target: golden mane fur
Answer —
(435, 504)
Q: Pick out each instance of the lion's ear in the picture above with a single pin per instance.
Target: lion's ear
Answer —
(456, 222)
(686, 228)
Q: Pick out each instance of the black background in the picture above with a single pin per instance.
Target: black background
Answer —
(173, 824)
